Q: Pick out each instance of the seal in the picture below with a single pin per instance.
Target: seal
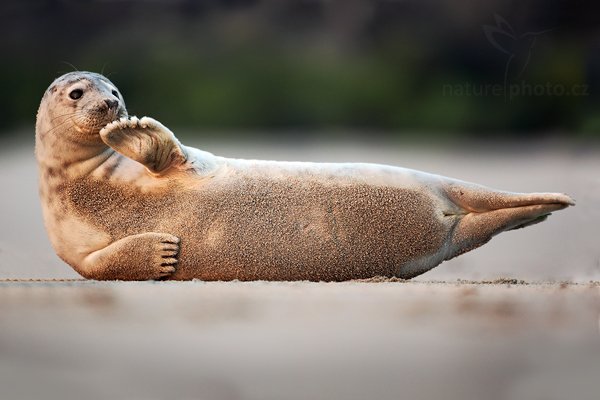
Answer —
(123, 199)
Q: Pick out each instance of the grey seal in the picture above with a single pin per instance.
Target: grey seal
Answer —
(123, 199)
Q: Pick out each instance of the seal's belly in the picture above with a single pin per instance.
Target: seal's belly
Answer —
(276, 229)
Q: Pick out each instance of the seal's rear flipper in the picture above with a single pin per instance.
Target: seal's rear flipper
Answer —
(477, 198)
(146, 141)
(537, 220)
(483, 213)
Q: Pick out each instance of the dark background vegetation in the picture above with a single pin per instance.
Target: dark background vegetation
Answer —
(315, 66)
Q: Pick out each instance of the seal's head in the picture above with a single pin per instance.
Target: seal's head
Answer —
(77, 105)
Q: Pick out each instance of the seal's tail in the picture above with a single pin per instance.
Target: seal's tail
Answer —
(483, 213)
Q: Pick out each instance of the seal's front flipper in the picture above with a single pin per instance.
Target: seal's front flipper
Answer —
(482, 213)
(146, 141)
(141, 257)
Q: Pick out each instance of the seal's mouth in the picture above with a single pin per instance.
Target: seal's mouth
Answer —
(94, 119)
(116, 115)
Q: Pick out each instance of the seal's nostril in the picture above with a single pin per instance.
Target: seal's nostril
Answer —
(112, 103)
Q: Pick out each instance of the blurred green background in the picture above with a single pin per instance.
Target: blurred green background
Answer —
(401, 69)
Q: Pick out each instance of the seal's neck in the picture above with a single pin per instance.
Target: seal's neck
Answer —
(75, 158)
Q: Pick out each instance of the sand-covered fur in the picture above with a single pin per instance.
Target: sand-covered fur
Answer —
(123, 199)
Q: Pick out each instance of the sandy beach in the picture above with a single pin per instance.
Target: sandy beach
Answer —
(259, 340)
(517, 319)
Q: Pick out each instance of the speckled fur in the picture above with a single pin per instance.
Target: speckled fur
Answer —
(250, 227)
(213, 218)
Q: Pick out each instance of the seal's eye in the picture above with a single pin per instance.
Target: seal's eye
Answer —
(75, 94)
(115, 93)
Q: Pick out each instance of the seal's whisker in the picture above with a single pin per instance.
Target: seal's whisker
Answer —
(68, 117)
(70, 65)
(68, 114)
(54, 129)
